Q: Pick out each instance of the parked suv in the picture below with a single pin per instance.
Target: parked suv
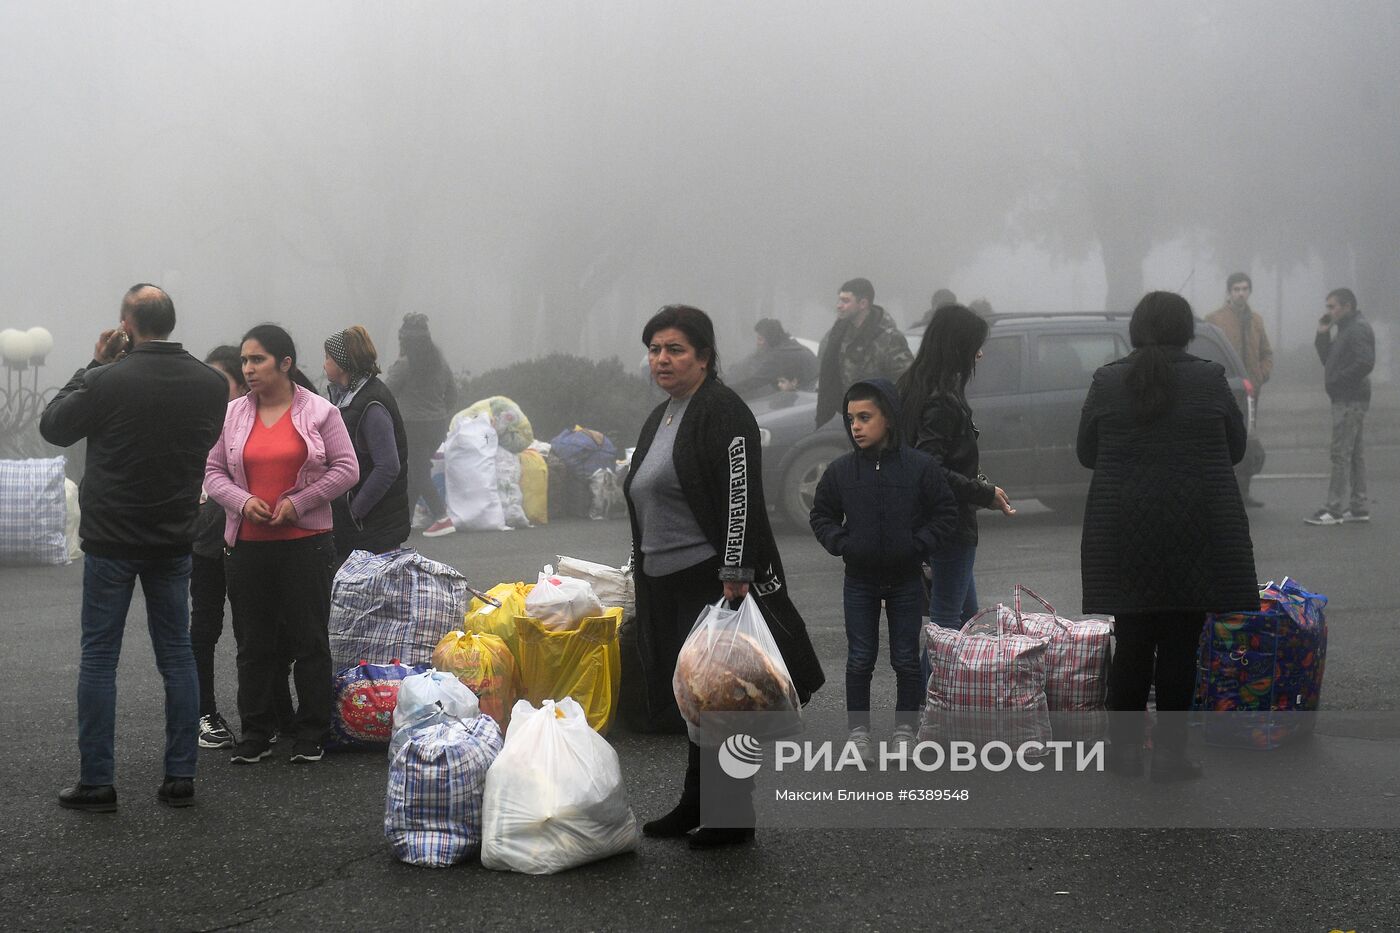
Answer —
(1026, 398)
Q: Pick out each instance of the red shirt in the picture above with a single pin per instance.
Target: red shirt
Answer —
(272, 459)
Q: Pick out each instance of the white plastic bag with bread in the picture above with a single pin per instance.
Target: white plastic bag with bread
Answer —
(729, 671)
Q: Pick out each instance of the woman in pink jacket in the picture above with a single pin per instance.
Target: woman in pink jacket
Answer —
(283, 456)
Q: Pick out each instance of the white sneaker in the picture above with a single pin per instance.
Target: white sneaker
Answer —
(439, 528)
(1323, 517)
(860, 738)
(904, 737)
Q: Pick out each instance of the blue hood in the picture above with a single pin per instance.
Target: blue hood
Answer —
(888, 400)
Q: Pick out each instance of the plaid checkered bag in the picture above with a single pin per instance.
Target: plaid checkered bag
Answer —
(986, 685)
(1076, 666)
(397, 604)
(432, 809)
(33, 508)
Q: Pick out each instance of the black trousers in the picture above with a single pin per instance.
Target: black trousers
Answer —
(1153, 649)
(672, 604)
(280, 593)
(423, 439)
(208, 589)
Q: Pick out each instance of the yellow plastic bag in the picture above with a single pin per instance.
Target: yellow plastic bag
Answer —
(534, 486)
(485, 665)
(583, 663)
(488, 620)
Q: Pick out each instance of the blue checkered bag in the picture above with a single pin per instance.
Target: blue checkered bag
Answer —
(397, 604)
(432, 810)
(33, 506)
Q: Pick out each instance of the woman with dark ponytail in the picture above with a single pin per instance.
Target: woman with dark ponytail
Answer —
(283, 457)
(1166, 539)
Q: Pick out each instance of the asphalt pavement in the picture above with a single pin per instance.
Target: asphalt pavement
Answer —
(293, 847)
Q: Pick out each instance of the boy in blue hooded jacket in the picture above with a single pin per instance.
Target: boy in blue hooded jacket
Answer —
(883, 508)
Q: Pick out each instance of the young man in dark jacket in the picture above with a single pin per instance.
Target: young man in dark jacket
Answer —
(1347, 361)
(883, 508)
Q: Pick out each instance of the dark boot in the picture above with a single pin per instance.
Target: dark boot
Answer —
(1126, 730)
(685, 816)
(94, 798)
(1169, 760)
(712, 837)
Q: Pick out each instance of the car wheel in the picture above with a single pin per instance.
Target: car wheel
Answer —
(800, 483)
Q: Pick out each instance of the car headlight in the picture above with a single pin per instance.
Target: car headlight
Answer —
(765, 437)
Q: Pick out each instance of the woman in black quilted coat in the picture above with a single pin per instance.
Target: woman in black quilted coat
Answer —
(1166, 538)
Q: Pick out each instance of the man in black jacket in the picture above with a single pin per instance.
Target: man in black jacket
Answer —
(1347, 361)
(150, 413)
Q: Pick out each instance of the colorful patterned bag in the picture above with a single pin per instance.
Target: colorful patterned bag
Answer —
(397, 604)
(433, 805)
(1263, 669)
(986, 684)
(1076, 666)
(362, 713)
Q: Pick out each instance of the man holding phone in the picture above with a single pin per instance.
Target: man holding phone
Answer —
(150, 412)
(1348, 356)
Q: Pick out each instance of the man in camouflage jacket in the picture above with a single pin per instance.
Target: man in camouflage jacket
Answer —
(864, 343)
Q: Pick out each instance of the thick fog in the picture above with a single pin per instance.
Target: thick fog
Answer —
(540, 176)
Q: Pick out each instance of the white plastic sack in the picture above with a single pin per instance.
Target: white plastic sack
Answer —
(508, 488)
(73, 515)
(432, 807)
(426, 698)
(473, 502)
(32, 512)
(613, 586)
(561, 602)
(554, 798)
(730, 669)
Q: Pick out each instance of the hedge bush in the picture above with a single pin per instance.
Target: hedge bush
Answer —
(560, 391)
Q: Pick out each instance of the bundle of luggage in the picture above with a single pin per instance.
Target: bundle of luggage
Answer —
(399, 613)
(1017, 677)
(494, 475)
(1259, 674)
(38, 512)
(548, 798)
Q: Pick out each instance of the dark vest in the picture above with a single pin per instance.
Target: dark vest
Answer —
(387, 524)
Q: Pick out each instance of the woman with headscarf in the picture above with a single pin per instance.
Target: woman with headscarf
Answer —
(1166, 538)
(283, 457)
(700, 533)
(426, 391)
(373, 515)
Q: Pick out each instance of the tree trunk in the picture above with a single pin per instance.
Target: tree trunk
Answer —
(1122, 267)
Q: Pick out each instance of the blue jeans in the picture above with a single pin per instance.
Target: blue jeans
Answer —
(904, 610)
(952, 592)
(107, 587)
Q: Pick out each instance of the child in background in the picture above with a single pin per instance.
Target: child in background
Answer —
(883, 508)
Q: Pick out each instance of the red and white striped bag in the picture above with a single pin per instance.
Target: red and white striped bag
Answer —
(1076, 665)
(986, 682)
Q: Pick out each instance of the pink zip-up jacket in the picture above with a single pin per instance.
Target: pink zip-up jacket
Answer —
(331, 468)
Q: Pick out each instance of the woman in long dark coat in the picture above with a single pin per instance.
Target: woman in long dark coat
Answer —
(700, 533)
(1166, 539)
